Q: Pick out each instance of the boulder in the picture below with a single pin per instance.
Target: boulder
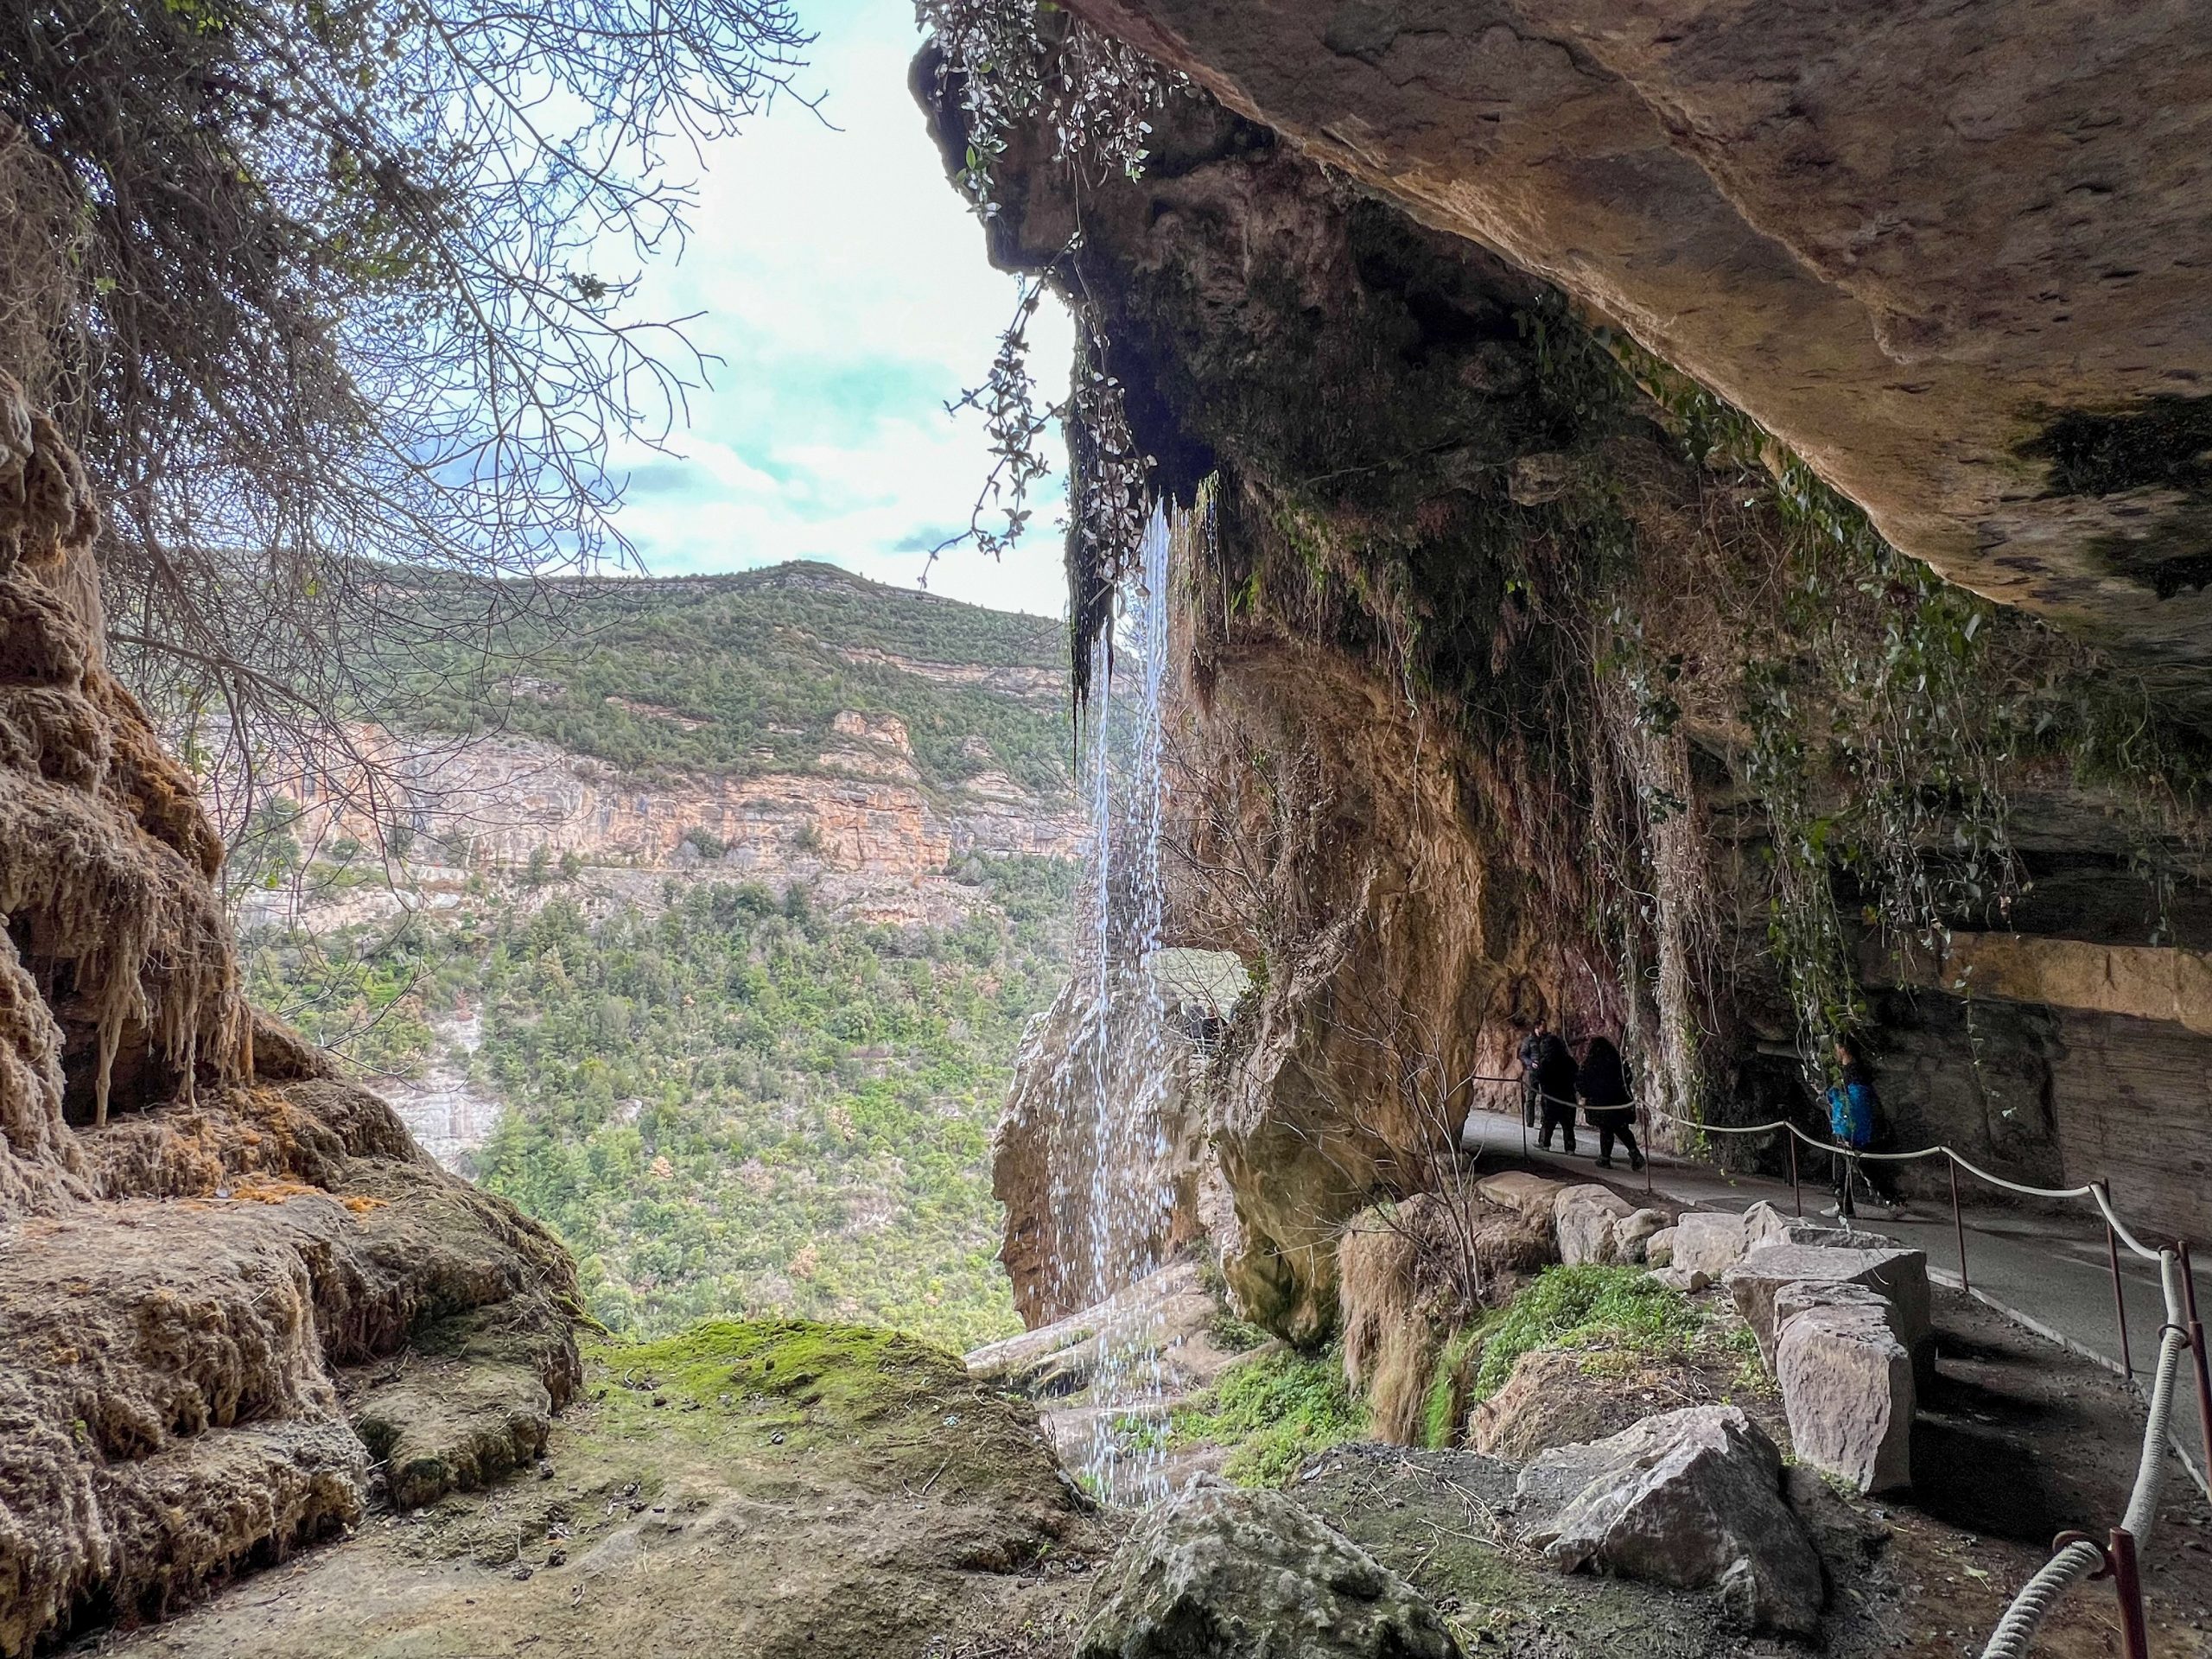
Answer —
(1900, 1276)
(1688, 1280)
(1633, 1233)
(1531, 1197)
(1689, 1498)
(1659, 1248)
(1847, 1387)
(1709, 1240)
(1764, 1224)
(1236, 1574)
(1584, 1218)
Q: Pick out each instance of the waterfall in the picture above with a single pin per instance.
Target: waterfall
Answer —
(1118, 1072)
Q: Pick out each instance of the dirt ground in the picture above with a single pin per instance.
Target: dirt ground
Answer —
(700, 1501)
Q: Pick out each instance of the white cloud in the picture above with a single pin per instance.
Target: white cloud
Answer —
(844, 284)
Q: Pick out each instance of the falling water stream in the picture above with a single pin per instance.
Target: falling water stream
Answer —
(1119, 1069)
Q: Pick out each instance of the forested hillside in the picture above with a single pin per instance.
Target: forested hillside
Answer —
(734, 1079)
(746, 673)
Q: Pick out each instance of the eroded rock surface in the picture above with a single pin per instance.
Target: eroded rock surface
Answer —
(228, 1277)
(1956, 259)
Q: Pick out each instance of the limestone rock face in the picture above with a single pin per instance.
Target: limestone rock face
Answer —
(211, 1246)
(1691, 1498)
(1847, 1387)
(1899, 1276)
(1946, 285)
(1238, 1574)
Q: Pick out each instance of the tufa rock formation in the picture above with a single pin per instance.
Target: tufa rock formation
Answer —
(235, 1299)
(1500, 651)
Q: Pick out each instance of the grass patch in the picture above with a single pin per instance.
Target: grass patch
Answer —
(1273, 1412)
(1445, 1404)
(1234, 1335)
(1586, 1305)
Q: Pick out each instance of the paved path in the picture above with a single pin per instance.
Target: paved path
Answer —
(2048, 1272)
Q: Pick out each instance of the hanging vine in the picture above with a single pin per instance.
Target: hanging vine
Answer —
(1012, 67)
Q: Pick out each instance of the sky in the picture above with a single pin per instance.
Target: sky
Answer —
(842, 282)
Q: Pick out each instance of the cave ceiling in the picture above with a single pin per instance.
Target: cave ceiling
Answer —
(1958, 257)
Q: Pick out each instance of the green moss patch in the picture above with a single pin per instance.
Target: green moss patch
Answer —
(1274, 1412)
(1587, 1306)
(886, 1409)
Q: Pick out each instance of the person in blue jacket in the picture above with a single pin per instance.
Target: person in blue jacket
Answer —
(1854, 1110)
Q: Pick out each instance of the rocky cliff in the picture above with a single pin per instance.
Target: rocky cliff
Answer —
(237, 1303)
(1528, 675)
(762, 734)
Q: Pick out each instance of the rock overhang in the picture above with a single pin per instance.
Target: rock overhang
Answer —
(1957, 261)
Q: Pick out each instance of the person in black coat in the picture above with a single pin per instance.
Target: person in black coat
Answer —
(1553, 1071)
(1531, 1055)
(1602, 1082)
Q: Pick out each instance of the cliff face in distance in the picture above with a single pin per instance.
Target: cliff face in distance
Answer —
(782, 725)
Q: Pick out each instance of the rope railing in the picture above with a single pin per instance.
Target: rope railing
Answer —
(2075, 1555)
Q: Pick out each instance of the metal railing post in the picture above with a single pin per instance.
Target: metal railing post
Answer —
(1958, 1226)
(2127, 1585)
(2196, 1348)
(2119, 1293)
(1796, 1186)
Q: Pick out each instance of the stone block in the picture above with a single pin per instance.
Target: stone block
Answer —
(1250, 1575)
(1899, 1275)
(1531, 1197)
(1633, 1232)
(1584, 1218)
(1690, 1498)
(1711, 1240)
(1847, 1388)
(1764, 1224)
(1659, 1248)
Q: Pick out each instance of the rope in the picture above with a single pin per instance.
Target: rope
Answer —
(2017, 1627)
(2094, 1190)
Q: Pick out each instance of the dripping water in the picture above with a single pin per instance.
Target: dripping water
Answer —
(1119, 1071)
